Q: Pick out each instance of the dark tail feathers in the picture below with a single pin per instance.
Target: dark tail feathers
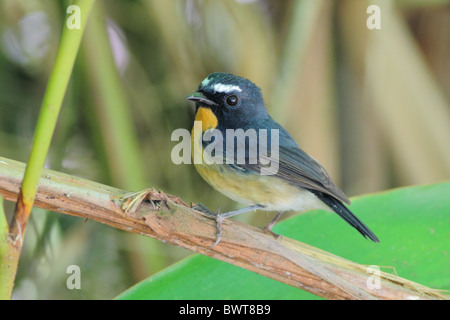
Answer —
(346, 214)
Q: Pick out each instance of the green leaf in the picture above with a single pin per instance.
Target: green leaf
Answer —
(413, 225)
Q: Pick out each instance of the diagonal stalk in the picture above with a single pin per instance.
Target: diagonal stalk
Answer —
(167, 218)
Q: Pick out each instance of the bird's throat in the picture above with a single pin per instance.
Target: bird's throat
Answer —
(207, 117)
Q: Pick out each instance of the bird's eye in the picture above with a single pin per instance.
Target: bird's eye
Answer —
(232, 100)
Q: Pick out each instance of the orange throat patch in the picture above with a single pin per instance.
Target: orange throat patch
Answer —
(207, 117)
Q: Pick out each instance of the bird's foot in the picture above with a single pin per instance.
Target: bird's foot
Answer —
(269, 231)
(268, 228)
(217, 216)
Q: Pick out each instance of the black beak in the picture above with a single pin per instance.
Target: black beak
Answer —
(200, 97)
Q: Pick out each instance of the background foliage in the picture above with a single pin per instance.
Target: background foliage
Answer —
(371, 106)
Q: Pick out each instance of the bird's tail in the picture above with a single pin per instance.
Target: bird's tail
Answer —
(346, 214)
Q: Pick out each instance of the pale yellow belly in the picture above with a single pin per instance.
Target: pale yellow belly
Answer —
(271, 192)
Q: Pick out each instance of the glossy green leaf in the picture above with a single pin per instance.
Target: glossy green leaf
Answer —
(413, 225)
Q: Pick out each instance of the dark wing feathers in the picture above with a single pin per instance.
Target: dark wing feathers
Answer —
(295, 165)
(301, 170)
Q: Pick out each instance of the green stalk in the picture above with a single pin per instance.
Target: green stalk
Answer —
(4, 230)
(6, 252)
(51, 105)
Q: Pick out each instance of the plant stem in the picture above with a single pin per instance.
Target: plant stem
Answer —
(51, 105)
(169, 219)
(7, 252)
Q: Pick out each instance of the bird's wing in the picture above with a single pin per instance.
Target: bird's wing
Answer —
(293, 165)
(298, 168)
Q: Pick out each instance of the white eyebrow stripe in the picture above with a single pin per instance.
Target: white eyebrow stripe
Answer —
(226, 88)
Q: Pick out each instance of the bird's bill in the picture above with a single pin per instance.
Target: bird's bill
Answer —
(200, 97)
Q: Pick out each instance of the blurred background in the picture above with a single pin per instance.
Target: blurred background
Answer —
(371, 105)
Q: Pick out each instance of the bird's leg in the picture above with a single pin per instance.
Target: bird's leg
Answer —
(230, 214)
(269, 227)
(219, 217)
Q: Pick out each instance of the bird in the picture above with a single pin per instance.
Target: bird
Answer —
(226, 103)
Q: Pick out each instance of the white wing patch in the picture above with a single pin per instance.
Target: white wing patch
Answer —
(226, 88)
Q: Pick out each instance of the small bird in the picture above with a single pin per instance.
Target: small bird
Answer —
(226, 102)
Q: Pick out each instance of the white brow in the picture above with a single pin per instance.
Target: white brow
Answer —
(226, 88)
